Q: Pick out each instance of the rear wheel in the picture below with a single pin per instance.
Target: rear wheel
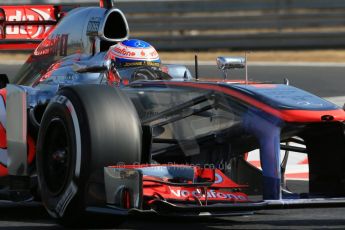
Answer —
(84, 129)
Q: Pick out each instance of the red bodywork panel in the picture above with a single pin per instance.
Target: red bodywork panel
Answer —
(24, 27)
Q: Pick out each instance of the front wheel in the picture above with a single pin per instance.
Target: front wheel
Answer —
(84, 129)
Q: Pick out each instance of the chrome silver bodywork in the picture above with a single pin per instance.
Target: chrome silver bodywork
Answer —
(16, 112)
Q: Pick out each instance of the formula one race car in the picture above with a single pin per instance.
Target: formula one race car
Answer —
(96, 126)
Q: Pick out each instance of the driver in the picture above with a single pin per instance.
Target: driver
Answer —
(135, 60)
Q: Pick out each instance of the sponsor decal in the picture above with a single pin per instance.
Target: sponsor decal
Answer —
(154, 54)
(197, 193)
(124, 52)
(140, 44)
(25, 15)
(140, 63)
(93, 26)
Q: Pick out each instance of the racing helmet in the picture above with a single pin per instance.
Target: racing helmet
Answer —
(134, 53)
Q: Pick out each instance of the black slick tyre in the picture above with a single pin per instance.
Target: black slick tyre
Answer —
(84, 129)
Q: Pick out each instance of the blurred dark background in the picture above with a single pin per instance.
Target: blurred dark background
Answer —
(234, 24)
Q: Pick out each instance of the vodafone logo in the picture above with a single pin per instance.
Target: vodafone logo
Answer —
(25, 15)
(124, 52)
(182, 193)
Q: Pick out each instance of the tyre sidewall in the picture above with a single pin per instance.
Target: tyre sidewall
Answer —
(68, 111)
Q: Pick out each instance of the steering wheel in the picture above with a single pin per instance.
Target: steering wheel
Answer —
(149, 73)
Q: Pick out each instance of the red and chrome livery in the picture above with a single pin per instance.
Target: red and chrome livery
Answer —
(132, 139)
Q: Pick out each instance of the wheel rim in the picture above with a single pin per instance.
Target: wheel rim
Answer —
(57, 156)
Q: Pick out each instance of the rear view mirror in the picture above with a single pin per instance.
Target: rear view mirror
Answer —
(225, 63)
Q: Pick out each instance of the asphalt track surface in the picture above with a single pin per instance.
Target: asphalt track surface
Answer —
(325, 81)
